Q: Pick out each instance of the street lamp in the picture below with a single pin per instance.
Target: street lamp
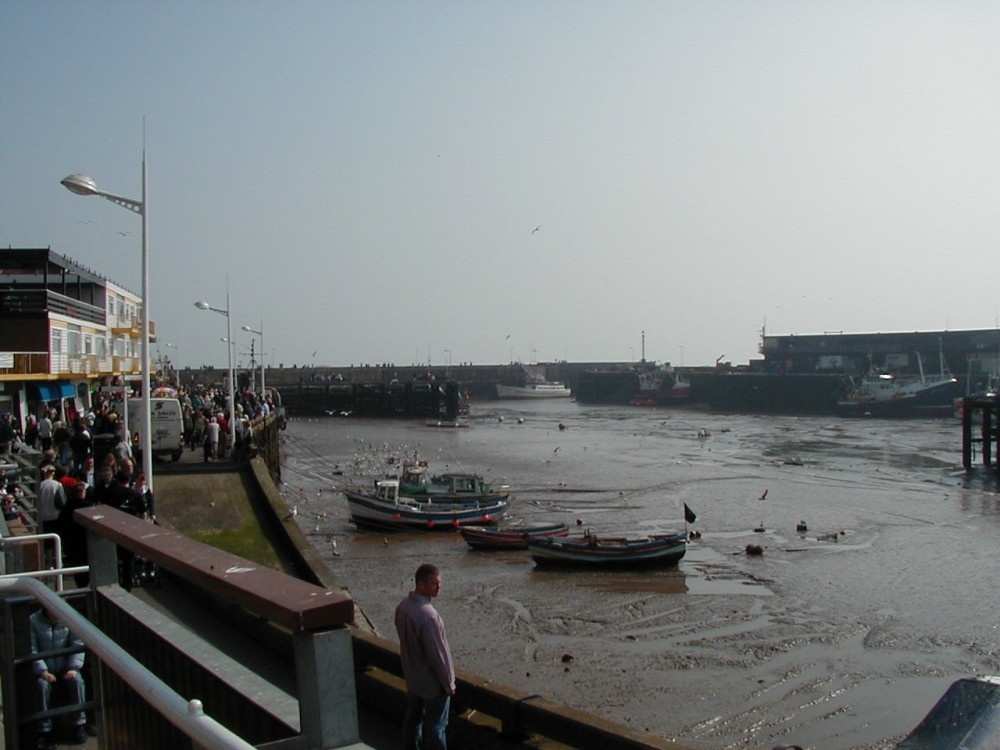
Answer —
(173, 365)
(202, 305)
(260, 333)
(81, 184)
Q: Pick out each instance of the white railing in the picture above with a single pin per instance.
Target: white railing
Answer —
(56, 540)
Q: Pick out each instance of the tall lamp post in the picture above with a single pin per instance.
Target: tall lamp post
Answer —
(260, 333)
(81, 184)
(173, 364)
(202, 305)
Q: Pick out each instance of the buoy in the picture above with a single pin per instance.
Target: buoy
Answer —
(430, 524)
(755, 550)
(801, 526)
(455, 523)
(398, 516)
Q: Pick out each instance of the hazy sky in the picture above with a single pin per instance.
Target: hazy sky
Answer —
(368, 176)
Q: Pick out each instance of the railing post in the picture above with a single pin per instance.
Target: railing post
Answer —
(102, 555)
(328, 704)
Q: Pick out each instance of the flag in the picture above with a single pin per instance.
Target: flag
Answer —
(689, 515)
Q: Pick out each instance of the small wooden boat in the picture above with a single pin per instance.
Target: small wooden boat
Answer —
(386, 508)
(595, 552)
(482, 538)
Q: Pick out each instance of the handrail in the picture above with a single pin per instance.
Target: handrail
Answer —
(289, 602)
(57, 552)
(187, 715)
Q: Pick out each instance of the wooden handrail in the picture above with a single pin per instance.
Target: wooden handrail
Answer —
(282, 599)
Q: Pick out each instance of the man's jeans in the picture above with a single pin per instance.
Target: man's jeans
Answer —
(425, 722)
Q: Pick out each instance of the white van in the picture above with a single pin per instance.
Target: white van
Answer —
(168, 425)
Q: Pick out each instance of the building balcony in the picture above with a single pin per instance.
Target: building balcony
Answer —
(15, 365)
(31, 365)
(82, 365)
(131, 327)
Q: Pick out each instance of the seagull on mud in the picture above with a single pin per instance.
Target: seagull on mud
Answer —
(294, 512)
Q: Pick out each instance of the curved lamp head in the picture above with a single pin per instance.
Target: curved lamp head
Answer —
(202, 305)
(80, 184)
(248, 329)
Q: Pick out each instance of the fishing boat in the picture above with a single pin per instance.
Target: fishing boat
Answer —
(485, 538)
(416, 481)
(597, 552)
(385, 507)
(661, 386)
(966, 717)
(885, 394)
(531, 383)
(546, 389)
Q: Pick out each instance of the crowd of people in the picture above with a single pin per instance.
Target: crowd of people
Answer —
(88, 458)
(72, 433)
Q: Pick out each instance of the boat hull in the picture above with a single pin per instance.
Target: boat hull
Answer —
(549, 390)
(497, 539)
(660, 551)
(936, 400)
(424, 515)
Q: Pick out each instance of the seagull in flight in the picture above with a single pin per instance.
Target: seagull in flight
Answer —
(536, 229)
(124, 234)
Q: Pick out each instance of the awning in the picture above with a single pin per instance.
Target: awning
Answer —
(54, 390)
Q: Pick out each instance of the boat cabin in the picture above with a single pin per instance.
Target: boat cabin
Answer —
(387, 490)
(416, 481)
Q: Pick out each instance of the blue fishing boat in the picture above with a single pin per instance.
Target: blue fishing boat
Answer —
(593, 551)
(385, 507)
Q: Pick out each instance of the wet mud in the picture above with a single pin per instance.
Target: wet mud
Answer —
(841, 635)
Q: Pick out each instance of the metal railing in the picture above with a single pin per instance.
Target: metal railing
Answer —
(187, 715)
(56, 572)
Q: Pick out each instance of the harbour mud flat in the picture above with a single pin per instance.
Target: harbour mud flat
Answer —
(842, 635)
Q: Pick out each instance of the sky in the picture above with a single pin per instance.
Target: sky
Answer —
(583, 180)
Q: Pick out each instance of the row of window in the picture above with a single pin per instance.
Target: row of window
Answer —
(73, 342)
(122, 308)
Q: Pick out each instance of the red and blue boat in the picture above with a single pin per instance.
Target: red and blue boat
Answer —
(486, 538)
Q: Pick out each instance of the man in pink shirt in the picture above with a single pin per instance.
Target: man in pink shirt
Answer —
(427, 664)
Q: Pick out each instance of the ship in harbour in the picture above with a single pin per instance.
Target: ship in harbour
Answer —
(533, 385)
